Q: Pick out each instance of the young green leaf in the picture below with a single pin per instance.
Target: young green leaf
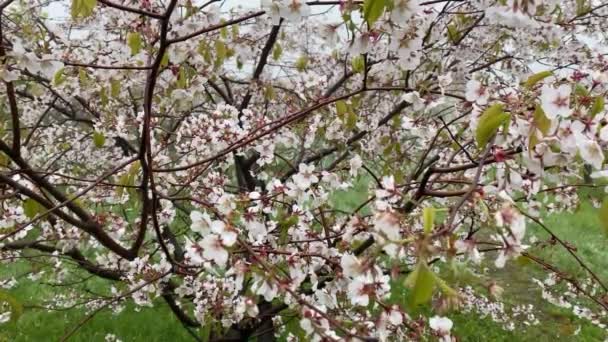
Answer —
(372, 10)
(31, 208)
(341, 108)
(114, 88)
(598, 106)
(277, 51)
(59, 77)
(351, 120)
(428, 219)
(453, 33)
(82, 8)
(422, 283)
(489, 122)
(541, 121)
(301, 63)
(534, 79)
(603, 215)
(358, 64)
(99, 139)
(134, 42)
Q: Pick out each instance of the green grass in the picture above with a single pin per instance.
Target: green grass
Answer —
(581, 229)
(145, 324)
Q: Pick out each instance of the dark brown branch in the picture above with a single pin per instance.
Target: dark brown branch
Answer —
(131, 9)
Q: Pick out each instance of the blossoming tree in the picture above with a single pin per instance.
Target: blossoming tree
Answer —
(298, 170)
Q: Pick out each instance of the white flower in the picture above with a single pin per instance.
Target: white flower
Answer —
(272, 8)
(476, 92)
(48, 66)
(512, 241)
(257, 231)
(441, 325)
(247, 305)
(403, 11)
(388, 223)
(227, 234)
(395, 317)
(357, 292)
(444, 81)
(511, 249)
(388, 189)
(604, 133)
(266, 151)
(570, 132)
(591, 152)
(470, 248)
(7, 75)
(330, 33)
(355, 164)
(305, 177)
(414, 98)
(201, 222)
(508, 216)
(556, 102)
(214, 250)
(225, 204)
(600, 174)
(351, 266)
(263, 288)
(361, 44)
(306, 325)
(294, 10)
(194, 252)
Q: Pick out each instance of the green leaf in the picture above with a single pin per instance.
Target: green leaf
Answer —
(603, 215)
(351, 120)
(358, 64)
(598, 106)
(220, 50)
(534, 79)
(301, 63)
(83, 77)
(223, 30)
(182, 78)
(103, 95)
(134, 42)
(59, 77)
(4, 160)
(221, 53)
(581, 7)
(99, 139)
(580, 90)
(127, 179)
(453, 33)
(82, 8)
(372, 10)
(341, 108)
(489, 122)
(16, 307)
(541, 121)
(277, 51)
(165, 61)
(114, 87)
(31, 208)
(269, 93)
(422, 282)
(428, 219)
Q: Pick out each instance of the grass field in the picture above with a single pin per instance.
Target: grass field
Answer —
(581, 229)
